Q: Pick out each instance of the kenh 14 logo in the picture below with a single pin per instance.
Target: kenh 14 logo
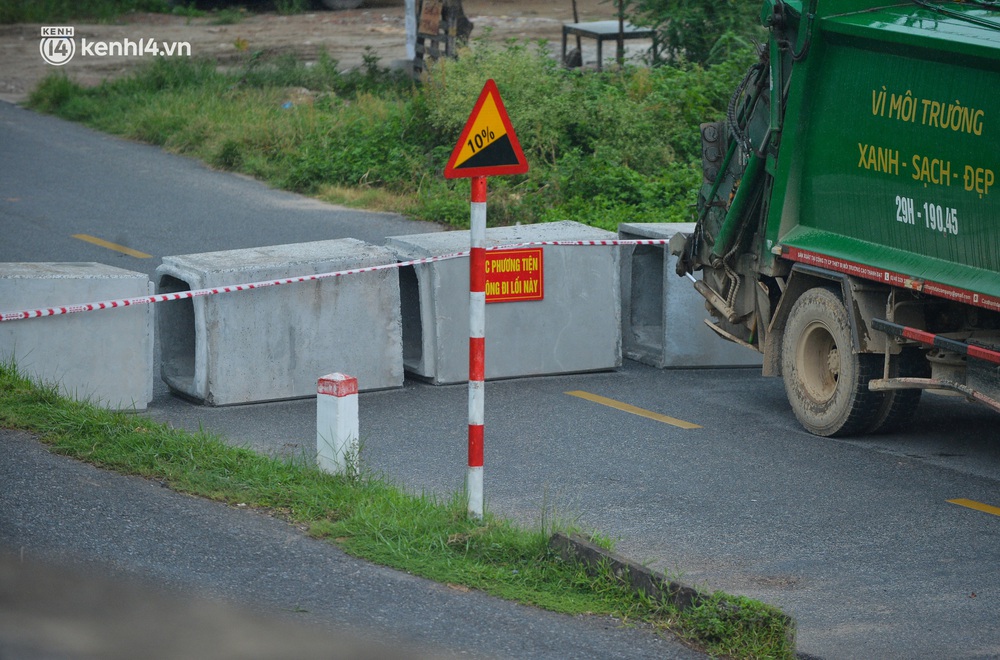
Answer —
(57, 46)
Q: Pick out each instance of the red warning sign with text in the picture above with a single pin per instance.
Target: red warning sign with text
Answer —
(514, 275)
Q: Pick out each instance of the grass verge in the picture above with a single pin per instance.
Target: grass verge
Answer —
(370, 518)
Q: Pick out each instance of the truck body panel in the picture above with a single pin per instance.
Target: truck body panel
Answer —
(859, 192)
(892, 156)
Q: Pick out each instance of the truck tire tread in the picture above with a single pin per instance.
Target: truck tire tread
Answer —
(899, 406)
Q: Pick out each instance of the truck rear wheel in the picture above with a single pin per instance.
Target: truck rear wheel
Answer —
(898, 406)
(825, 380)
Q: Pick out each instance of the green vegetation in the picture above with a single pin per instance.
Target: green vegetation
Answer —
(370, 518)
(46, 11)
(226, 16)
(700, 31)
(39, 11)
(603, 148)
(292, 6)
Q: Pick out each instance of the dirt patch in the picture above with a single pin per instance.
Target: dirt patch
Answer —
(344, 35)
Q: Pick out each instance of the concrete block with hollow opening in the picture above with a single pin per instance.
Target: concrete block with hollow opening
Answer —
(273, 342)
(663, 317)
(575, 327)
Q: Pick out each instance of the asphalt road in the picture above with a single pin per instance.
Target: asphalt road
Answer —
(95, 524)
(856, 539)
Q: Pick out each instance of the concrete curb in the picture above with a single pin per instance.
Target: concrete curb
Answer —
(639, 578)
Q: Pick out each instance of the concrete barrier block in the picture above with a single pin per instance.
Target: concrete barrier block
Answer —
(662, 315)
(575, 327)
(269, 343)
(105, 357)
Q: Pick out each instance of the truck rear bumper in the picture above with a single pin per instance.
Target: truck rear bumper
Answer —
(887, 384)
(983, 378)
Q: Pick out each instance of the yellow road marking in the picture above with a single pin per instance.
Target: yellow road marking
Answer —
(978, 506)
(618, 405)
(113, 246)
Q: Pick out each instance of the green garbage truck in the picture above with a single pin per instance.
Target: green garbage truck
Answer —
(848, 224)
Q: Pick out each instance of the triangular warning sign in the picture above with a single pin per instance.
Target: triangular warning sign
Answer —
(488, 146)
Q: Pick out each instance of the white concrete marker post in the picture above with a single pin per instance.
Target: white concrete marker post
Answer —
(337, 424)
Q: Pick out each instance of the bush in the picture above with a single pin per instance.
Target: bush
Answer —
(224, 11)
(38, 11)
(698, 30)
(603, 148)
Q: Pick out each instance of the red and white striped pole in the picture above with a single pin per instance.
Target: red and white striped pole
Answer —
(477, 346)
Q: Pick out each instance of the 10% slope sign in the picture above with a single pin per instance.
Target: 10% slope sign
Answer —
(481, 139)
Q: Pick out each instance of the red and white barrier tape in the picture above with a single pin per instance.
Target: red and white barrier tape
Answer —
(183, 295)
